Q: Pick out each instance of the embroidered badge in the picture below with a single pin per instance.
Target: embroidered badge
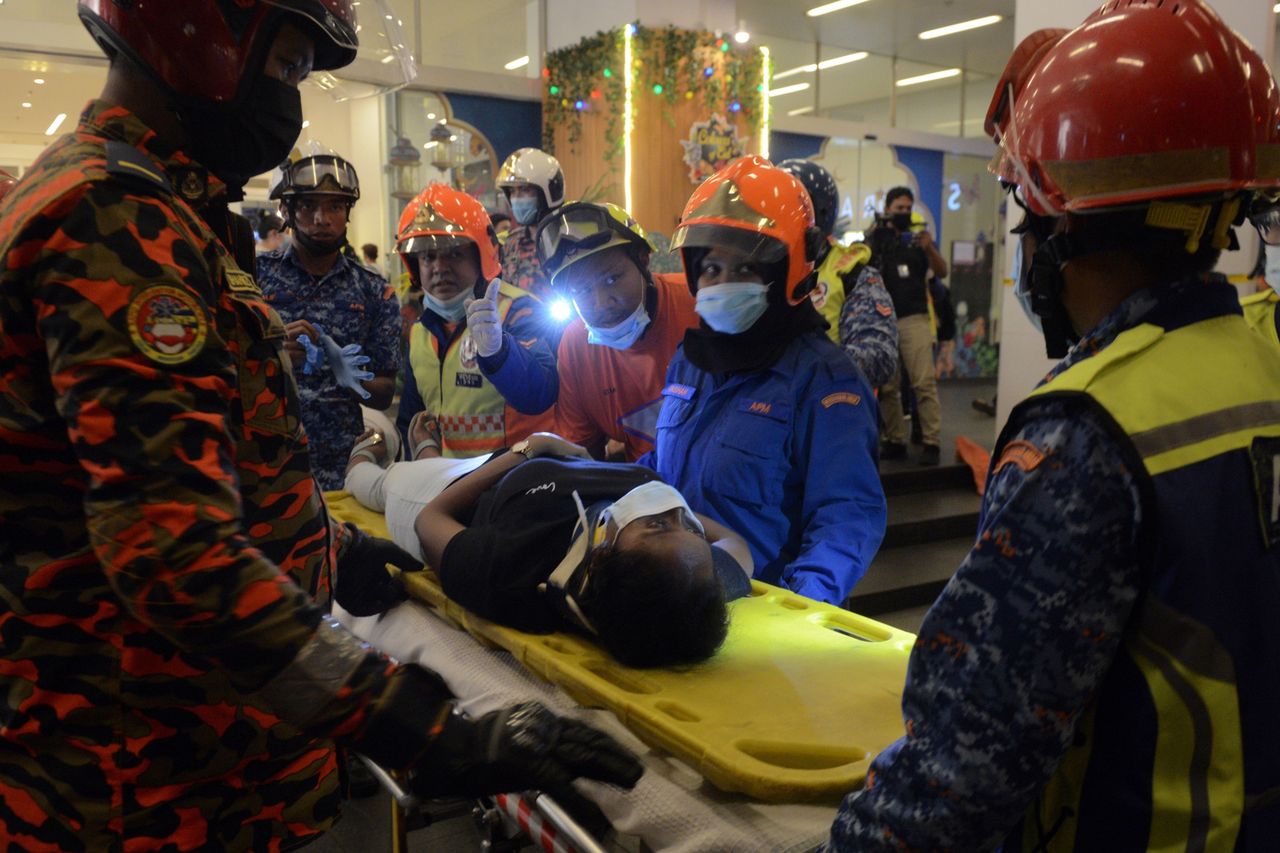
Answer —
(884, 310)
(241, 282)
(467, 353)
(1266, 482)
(469, 380)
(684, 392)
(167, 325)
(1023, 454)
(841, 397)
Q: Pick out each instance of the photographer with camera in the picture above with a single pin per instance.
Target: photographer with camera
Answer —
(907, 257)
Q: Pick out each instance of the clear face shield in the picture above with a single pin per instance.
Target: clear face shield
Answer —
(384, 58)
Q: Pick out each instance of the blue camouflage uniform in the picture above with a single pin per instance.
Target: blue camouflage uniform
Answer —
(786, 457)
(869, 328)
(1012, 652)
(354, 306)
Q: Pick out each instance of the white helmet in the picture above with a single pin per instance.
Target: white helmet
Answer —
(533, 167)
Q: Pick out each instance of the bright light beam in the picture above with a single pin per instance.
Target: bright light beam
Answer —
(952, 29)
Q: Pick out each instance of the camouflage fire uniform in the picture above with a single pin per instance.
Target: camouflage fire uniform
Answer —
(353, 305)
(520, 262)
(155, 476)
(868, 327)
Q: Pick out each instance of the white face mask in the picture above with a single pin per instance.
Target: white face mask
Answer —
(1272, 270)
(652, 498)
(623, 335)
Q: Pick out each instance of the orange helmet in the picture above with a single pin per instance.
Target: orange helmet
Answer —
(1141, 102)
(757, 208)
(440, 217)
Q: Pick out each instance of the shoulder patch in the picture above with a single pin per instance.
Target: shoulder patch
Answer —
(167, 325)
(1265, 453)
(841, 397)
(1023, 454)
(684, 392)
(241, 282)
(884, 310)
(125, 161)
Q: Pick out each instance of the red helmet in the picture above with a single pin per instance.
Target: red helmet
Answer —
(440, 217)
(1142, 101)
(205, 48)
(753, 206)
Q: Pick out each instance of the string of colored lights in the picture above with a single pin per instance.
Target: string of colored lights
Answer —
(766, 72)
(628, 120)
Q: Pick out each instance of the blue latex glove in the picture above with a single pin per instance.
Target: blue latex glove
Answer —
(347, 364)
(315, 356)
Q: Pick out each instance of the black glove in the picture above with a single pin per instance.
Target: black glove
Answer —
(521, 748)
(364, 586)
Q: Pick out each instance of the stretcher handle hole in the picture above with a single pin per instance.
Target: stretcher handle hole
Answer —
(853, 626)
(677, 712)
(800, 756)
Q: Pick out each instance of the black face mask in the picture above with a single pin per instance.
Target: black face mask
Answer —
(247, 137)
(901, 221)
(319, 248)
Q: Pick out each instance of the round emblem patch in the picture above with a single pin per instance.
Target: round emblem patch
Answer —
(167, 325)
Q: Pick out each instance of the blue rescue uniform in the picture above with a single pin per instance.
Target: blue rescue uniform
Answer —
(354, 306)
(1025, 657)
(868, 326)
(784, 456)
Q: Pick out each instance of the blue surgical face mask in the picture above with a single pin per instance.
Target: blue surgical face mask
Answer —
(452, 309)
(1022, 285)
(623, 335)
(525, 210)
(732, 307)
(1272, 270)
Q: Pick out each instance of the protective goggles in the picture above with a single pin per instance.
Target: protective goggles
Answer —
(323, 173)
(577, 228)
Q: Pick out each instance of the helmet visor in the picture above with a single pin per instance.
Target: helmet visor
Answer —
(1265, 216)
(759, 247)
(325, 173)
(572, 229)
(422, 243)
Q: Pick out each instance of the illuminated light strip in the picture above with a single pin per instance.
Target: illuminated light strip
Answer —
(799, 111)
(765, 67)
(929, 78)
(961, 27)
(517, 63)
(827, 8)
(787, 90)
(628, 122)
(55, 124)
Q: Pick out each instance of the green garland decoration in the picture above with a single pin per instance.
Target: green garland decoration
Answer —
(671, 64)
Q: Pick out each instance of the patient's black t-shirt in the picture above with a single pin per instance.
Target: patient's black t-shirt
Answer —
(519, 532)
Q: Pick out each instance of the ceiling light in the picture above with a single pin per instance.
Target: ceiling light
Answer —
(742, 36)
(826, 8)
(431, 116)
(26, 105)
(517, 63)
(787, 90)
(800, 111)
(1275, 8)
(841, 60)
(823, 65)
(929, 78)
(388, 59)
(55, 124)
(952, 29)
(306, 124)
(39, 81)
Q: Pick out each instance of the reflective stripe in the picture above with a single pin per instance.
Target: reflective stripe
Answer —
(1250, 416)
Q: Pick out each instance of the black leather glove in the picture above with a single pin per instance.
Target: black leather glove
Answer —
(364, 586)
(521, 748)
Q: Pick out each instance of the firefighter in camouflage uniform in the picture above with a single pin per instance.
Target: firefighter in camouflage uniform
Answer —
(167, 679)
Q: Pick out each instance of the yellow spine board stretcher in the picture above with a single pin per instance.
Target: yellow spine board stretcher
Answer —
(792, 709)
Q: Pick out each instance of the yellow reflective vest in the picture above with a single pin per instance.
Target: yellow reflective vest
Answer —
(1180, 748)
(1260, 312)
(828, 296)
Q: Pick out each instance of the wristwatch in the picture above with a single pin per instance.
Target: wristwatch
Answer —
(522, 447)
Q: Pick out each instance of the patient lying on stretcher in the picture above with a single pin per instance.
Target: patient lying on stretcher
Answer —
(547, 539)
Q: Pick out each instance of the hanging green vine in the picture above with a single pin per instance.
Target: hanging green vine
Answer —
(671, 65)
